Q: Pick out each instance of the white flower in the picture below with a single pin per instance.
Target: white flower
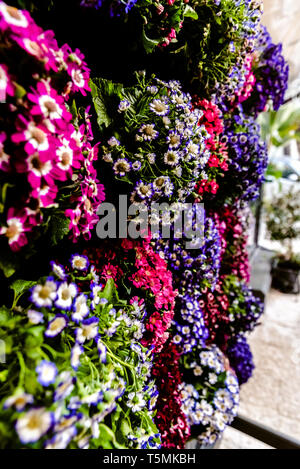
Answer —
(171, 157)
(159, 107)
(198, 370)
(62, 439)
(65, 294)
(124, 105)
(56, 325)
(33, 425)
(44, 295)
(35, 317)
(136, 401)
(58, 270)
(20, 399)
(88, 330)
(79, 262)
(47, 372)
(113, 142)
(148, 132)
(80, 307)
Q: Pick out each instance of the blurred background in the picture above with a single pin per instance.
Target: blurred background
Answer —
(272, 396)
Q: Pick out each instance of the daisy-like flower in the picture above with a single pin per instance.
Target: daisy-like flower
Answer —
(107, 158)
(171, 157)
(35, 135)
(15, 229)
(124, 105)
(58, 270)
(76, 352)
(148, 132)
(56, 325)
(144, 191)
(65, 294)
(35, 423)
(173, 139)
(136, 401)
(48, 103)
(19, 400)
(35, 317)
(121, 167)
(151, 157)
(65, 386)
(160, 182)
(102, 351)
(80, 307)
(159, 107)
(88, 330)
(47, 373)
(177, 339)
(197, 370)
(79, 262)
(44, 295)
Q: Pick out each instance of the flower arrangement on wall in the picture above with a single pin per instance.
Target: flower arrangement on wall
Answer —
(129, 342)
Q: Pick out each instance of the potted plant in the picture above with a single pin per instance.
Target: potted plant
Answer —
(283, 224)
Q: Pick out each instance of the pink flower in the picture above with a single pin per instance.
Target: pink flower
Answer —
(15, 229)
(14, 19)
(48, 104)
(45, 194)
(4, 157)
(6, 85)
(36, 136)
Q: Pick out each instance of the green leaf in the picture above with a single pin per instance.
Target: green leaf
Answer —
(3, 376)
(149, 44)
(110, 292)
(58, 227)
(102, 90)
(189, 12)
(21, 286)
(8, 263)
(19, 91)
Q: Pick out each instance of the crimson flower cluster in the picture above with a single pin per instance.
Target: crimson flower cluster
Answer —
(170, 418)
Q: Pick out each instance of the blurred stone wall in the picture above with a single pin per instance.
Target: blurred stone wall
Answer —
(282, 18)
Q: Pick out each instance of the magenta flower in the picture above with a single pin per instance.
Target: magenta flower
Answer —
(48, 104)
(15, 229)
(4, 157)
(17, 21)
(36, 136)
(6, 85)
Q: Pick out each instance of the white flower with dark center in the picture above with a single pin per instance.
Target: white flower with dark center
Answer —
(80, 308)
(47, 373)
(79, 262)
(88, 330)
(159, 107)
(31, 426)
(121, 167)
(148, 132)
(144, 190)
(44, 295)
(56, 325)
(136, 401)
(136, 166)
(171, 158)
(35, 317)
(65, 294)
(173, 139)
(19, 400)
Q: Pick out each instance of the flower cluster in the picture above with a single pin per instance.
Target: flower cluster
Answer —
(46, 153)
(232, 226)
(230, 309)
(212, 43)
(209, 393)
(160, 21)
(82, 379)
(170, 418)
(247, 159)
(193, 268)
(158, 149)
(217, 163)
(271, 73)
(241, 359)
